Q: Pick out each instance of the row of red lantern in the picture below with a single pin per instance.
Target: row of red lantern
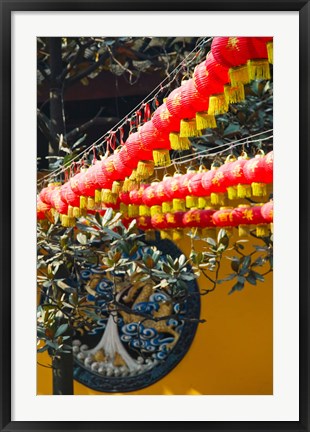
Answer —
(217, 82)
(157, 136)
(239, 178)
(87, 191)
(243, 217)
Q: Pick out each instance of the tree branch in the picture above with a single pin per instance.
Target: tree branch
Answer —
(71, 80)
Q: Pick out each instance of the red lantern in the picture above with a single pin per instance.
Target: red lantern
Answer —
(42, 208)
(174, 220)
(242, 216)
(151, 138)
(219, 183)
(174, 193)
(237, 183)
(123, 169)
(259, 221)
(159, 142)
(268, 176)
(178, 104)
(125, 197)
(159, 221)
(198, 218)
(256, 174)
(258, 64)
(57, 203)
(164, 121)
(223, 218)
(136, 195)
(233, 52)
(45, 194)
(144, 223)
(267, 213)
(195, 186)
(206, 84)
(100, 174)
(149, 196)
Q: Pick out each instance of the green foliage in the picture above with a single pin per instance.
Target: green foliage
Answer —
(105, 243)
(245, 266)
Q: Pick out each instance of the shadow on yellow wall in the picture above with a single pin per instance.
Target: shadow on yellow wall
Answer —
(232, 353)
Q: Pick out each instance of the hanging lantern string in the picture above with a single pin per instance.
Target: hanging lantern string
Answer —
(164, 84)
(227, 146)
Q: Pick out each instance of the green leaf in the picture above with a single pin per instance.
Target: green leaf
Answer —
(44, 348)
(61, 329)
(112, 233)
(81, 238)
(235, 265)
(237, 287)
(258, 276)
(107, 216)
(227, 278)
(211, 241)
(231, 129)
(251, 278)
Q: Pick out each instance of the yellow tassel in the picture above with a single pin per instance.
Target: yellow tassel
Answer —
(144, 210)
(188, 128)
(129, 185)
(178, 204)
(217, 104)
(191, 201)
(178, 143)
(244, 191)
(243, 230)
(91, 203)
(133, 210)
(166, 207)
(271, 227)
(161, 157)
(123, 208)
(270, 52)
(97, 196)
(116, 187)
(133, 175)
(165, 235)
(177, 234)
(156, 209)
(205, 121)
(262, 230)
(70, 211)
(76, 212)
(64, 220)
(234, 94)
(239, 74)
(108, 197)
(204, 202)
(150, 235)
(259, 69)
(259, 189)
(145, 169)
(232, 192)
(217, 198)
(83, 202)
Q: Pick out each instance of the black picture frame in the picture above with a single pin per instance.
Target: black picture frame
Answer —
(7, 7)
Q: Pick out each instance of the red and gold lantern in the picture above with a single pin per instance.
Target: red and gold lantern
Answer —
(256, 174)
(223, 218)
(233, 52)
(238, 186)
(267, 213)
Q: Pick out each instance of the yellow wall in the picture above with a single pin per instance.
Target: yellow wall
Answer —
(231, 352)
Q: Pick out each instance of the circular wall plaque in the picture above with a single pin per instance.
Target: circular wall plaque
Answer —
(127, 352)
